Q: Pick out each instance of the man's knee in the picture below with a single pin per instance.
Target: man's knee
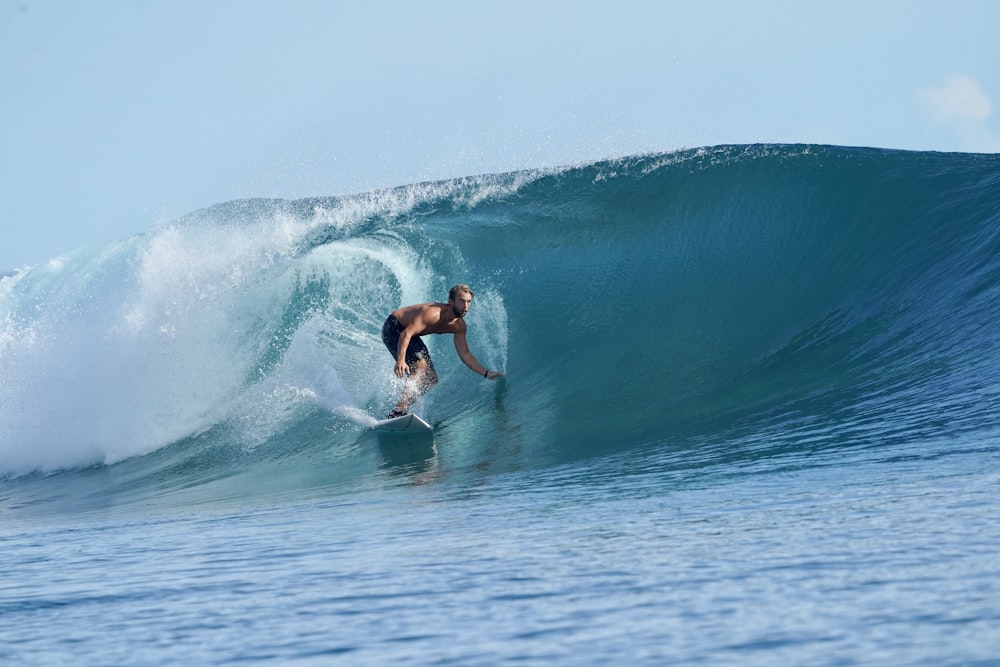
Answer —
(428, 376)
(424, 370)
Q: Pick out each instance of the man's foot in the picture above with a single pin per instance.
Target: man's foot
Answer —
(395, 413)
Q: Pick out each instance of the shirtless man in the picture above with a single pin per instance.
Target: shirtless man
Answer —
(401, 334)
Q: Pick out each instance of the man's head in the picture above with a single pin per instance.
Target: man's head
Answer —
(460, 298)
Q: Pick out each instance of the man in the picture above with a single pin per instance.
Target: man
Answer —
(401, 334)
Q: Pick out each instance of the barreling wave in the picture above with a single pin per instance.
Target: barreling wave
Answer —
(782, 297)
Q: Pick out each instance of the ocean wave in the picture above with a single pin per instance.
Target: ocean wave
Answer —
(799, 296)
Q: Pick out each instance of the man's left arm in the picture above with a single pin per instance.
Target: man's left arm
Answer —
(469, 359)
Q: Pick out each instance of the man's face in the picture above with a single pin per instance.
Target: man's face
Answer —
(460, 304)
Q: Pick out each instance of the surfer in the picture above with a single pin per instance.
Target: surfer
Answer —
(401, 334)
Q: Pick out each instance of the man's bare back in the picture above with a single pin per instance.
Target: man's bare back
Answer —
(430, 318)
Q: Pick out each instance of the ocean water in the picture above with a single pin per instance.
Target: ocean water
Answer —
(749, 418)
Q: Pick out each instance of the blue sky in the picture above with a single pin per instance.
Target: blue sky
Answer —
(120, 115)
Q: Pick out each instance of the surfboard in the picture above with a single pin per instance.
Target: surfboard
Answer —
(409, 423)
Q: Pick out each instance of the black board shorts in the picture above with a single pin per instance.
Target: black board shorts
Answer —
(415, 351)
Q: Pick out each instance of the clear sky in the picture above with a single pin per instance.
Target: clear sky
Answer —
(118, 115)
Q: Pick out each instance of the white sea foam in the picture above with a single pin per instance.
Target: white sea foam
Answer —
(246, 314)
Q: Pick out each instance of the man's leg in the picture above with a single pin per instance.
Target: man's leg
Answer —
(421, 379)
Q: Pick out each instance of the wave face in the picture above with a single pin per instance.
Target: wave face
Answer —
(748, 300)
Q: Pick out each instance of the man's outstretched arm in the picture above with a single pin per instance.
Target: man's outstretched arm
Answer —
(469, 359)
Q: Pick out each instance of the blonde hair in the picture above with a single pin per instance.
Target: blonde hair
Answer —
(453, 292)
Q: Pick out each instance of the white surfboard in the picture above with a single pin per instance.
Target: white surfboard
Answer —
(409, 423)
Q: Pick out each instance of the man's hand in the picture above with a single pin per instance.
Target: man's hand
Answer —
(493, 375)
(402, 370)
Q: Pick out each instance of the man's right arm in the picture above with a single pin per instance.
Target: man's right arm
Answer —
(401, 368)
(414, 328)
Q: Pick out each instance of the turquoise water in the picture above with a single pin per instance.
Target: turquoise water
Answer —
(748, 419)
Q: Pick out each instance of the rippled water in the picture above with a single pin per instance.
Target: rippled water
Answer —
(872, 558)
